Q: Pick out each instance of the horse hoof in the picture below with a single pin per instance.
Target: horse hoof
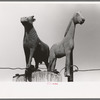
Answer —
(66, 74)
(56, 72)
(29, 79)
(27, 69)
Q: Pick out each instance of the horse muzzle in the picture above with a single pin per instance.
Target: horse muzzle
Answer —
(83, 20)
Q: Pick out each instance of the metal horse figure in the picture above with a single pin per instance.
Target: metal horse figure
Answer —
(33, 46)
(66, 46)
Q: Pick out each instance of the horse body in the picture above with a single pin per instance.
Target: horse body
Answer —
(66, 46)
(41, 53)
(57, 51)
(33, 46)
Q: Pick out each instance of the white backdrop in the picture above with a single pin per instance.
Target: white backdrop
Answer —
(51, 22)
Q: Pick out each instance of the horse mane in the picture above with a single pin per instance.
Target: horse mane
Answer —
(69, 25)
(68, 28)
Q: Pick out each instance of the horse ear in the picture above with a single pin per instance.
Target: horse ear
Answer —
(79, 12)
(76, 13)
(33, 16)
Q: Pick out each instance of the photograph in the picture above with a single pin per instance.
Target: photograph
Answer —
(54, 41)
(49, 44)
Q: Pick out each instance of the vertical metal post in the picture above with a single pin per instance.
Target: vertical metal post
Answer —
(70, 78)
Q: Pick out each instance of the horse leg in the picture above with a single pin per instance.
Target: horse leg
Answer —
(27, 53)
(30, 57)
(27, 72)
(36, 64)
(53, 64)
(67, 65)
(50, 64)
(46, 63)
(50, 60)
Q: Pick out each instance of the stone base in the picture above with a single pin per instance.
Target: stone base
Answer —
(40, 76)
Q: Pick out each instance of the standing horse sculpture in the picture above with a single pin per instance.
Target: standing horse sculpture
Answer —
(66, 46)
(33, 46)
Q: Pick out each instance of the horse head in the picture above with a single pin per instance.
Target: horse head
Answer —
(27, 20)
(78, 18)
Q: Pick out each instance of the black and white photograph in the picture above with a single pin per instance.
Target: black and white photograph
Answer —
(49, 42)
(49, 49)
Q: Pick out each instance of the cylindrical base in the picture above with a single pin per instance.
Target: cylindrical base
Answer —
(40, 76)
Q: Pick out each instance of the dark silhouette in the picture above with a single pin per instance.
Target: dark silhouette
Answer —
(33, 46)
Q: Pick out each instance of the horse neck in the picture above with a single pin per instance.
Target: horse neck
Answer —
(70, 30)
(31, 31)
(28, 27)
